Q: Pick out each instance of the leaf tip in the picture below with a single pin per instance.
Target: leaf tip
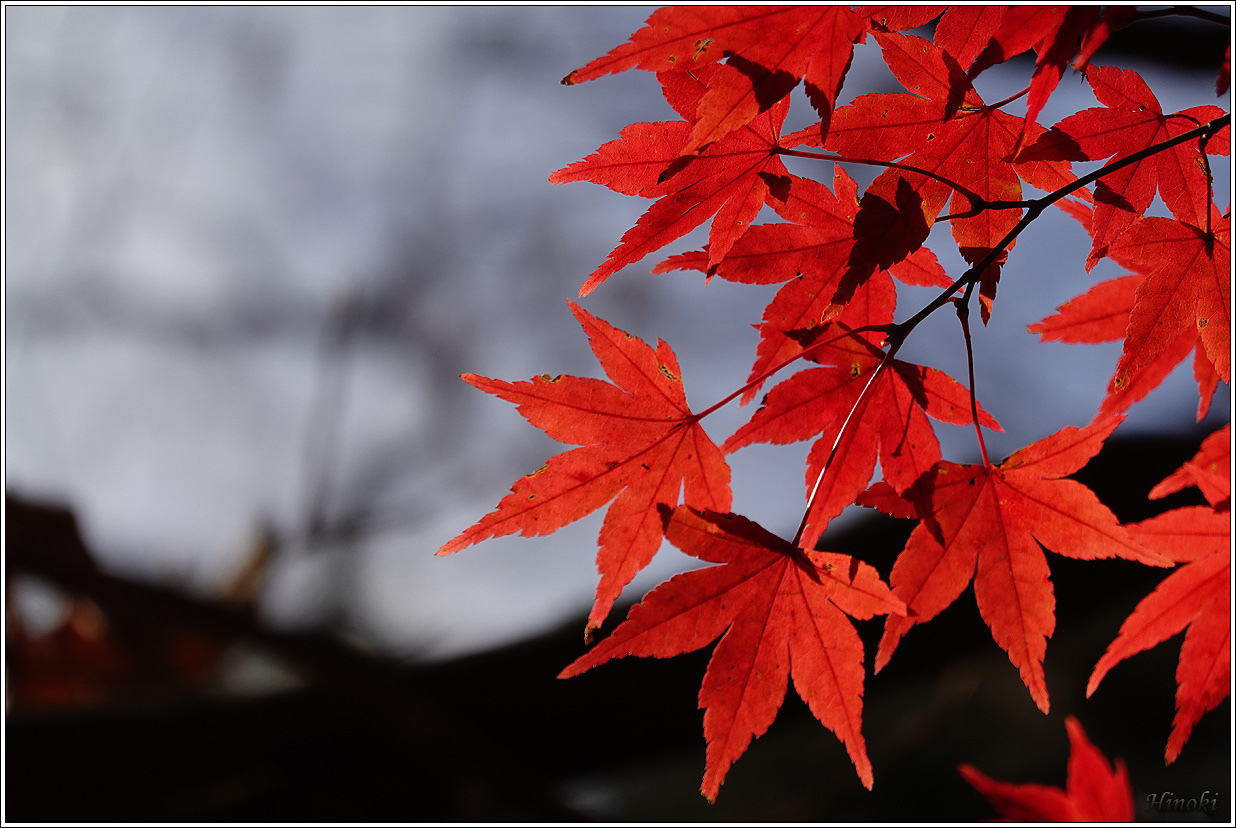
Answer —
(1043, 702)
(1093, 684)
(451, 546)
(593, 282)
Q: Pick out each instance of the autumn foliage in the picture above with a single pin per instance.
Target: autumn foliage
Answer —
(1095, 791)
(783, 610)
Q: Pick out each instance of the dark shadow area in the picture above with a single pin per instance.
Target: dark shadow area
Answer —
(887, 231)
(496, 736)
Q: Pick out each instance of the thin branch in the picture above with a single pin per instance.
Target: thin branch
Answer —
(963, 315)
(973, 197)
(1035, 209)
(1204, 131)
(1183, 11)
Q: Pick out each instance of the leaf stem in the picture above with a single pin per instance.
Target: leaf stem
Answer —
(1009, 100)
(884, 329)
(832, 454)
(1210, 192)
(973, 197)
(963, 315)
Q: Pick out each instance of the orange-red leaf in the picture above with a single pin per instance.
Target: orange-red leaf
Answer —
(1188, 287)
(1094, 791)
(1131, 119)
(810, 255)
(965, 31)
(729, 181)
(1225, 72)
(1101, 314)
(962, 146)
(783, 612)
(898, 18)
(890, 422)
(642, 447)
(814, 43)
(986, 523)
(1209, 470)
(770, 49)
(1197, 595)
(982, 36)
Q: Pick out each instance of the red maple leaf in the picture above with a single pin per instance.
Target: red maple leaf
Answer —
(810, 254)
(898, 18)
(770, 49)
(1209, 470)
(890, 421)
(642, 446)
(1188, 288)
(985, 523)
(1225, 72)
(982, 36)
(1094, 790)
(947, 142)
(1102, 314)
(1131, 120)
(965, 31)
(1197, 595)
(783, 612)
(729, 181)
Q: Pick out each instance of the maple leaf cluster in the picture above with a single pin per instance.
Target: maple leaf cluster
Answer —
(783, 609)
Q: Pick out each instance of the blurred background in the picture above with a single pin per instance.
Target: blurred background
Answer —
(248, 253)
